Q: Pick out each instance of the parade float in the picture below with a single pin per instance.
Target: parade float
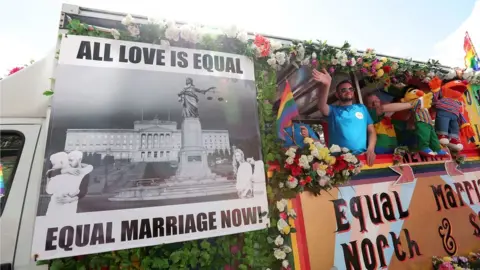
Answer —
(326, 209)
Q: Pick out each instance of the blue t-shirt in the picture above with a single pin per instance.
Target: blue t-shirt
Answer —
(347, 127)
(297, 136)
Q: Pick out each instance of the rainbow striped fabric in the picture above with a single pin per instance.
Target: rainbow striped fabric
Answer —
(286, 111)
(471, 58)
(2, 185)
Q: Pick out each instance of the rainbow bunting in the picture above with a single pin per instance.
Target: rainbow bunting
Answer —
(286, 111)
(2, 186)
(471, 58)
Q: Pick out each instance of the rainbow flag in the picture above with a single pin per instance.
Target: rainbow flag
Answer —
(471, 58)
(2, 185)
(286, 111)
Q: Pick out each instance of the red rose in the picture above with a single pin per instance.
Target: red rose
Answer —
(387, 69)
(308, 179)
(302, 182)
(340, 165)
(296, 171)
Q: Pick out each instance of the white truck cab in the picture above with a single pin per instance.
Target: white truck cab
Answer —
(24, 117)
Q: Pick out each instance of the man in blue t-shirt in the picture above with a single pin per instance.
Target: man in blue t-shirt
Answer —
(348, 123)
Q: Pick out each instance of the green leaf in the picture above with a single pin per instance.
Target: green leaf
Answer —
(205, 244)
(57, 265)
(242, 267)
(48, 93)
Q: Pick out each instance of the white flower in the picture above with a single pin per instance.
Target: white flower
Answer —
(349, 157)
(291, 152)
(281, 224)
(292, 182)
(345, 150)
(285, 263)
(133, 30)
(165, 43)
(300, 52)
(345, 173)
(343, 62)
(357, 170)
(281, 57)
(315, 153)
(172, 33)
(275, 45)
(115, 33)
(281, 185)
(287, 249)
(353, 62)
(314, 55)
(291, 213)
(426, 80)
(243, 36)
(334, 61)
(335, 149)
(279, 254)
(310, 157)
(231, 31)
(303, 162)
(321, 172)
(394, 65)
(305, 61)
(190, 33)
(289, 160)
(431, 74)
(353, 50)
(281, 205)
(318, 145)
(279, 240)
(128, 20)
(273, 63)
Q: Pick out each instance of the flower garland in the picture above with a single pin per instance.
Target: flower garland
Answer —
(312, 168)
(472, 261)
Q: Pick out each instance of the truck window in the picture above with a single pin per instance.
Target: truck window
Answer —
(11, 144)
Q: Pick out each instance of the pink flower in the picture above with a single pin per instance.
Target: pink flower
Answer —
(331, 70)
(364, 70)
(14, 70)
(227, 267)
(349, 62)
(283, 216)
(359, 60)
(446, 266)
(323, 181)
(314, 62)
(234, 249)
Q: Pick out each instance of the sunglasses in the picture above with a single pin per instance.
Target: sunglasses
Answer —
(344, 90)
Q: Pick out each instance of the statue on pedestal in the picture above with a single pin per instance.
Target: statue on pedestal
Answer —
(189, 99)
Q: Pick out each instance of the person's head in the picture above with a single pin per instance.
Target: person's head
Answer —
(371, 100)
(239, 156)
(75, 158)
(189, 81)
(345, 92)
(59, 160)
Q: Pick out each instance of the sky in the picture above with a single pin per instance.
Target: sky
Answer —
(411, 28)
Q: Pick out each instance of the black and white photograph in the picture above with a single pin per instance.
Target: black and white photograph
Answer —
(132, 138)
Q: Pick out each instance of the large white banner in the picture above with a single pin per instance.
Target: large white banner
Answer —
(148, 145)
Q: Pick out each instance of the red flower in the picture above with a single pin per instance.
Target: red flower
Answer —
(351, 167)
(283, 216)
(387, 69)
(263, 44)
(296, 171)
(302, 182)
(14, 70)
(329, 171)
(340, 165)
(273, 166)
(308, 179)
(234, 249)
(90, 28)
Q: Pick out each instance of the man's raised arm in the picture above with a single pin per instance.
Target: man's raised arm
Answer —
(396, 107)
(324, 80)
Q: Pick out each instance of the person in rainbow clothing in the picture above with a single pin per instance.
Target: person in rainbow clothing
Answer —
(380, 114)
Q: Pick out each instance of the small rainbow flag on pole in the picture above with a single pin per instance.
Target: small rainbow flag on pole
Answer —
(2, 185)
(286, 111)
(471, 57)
